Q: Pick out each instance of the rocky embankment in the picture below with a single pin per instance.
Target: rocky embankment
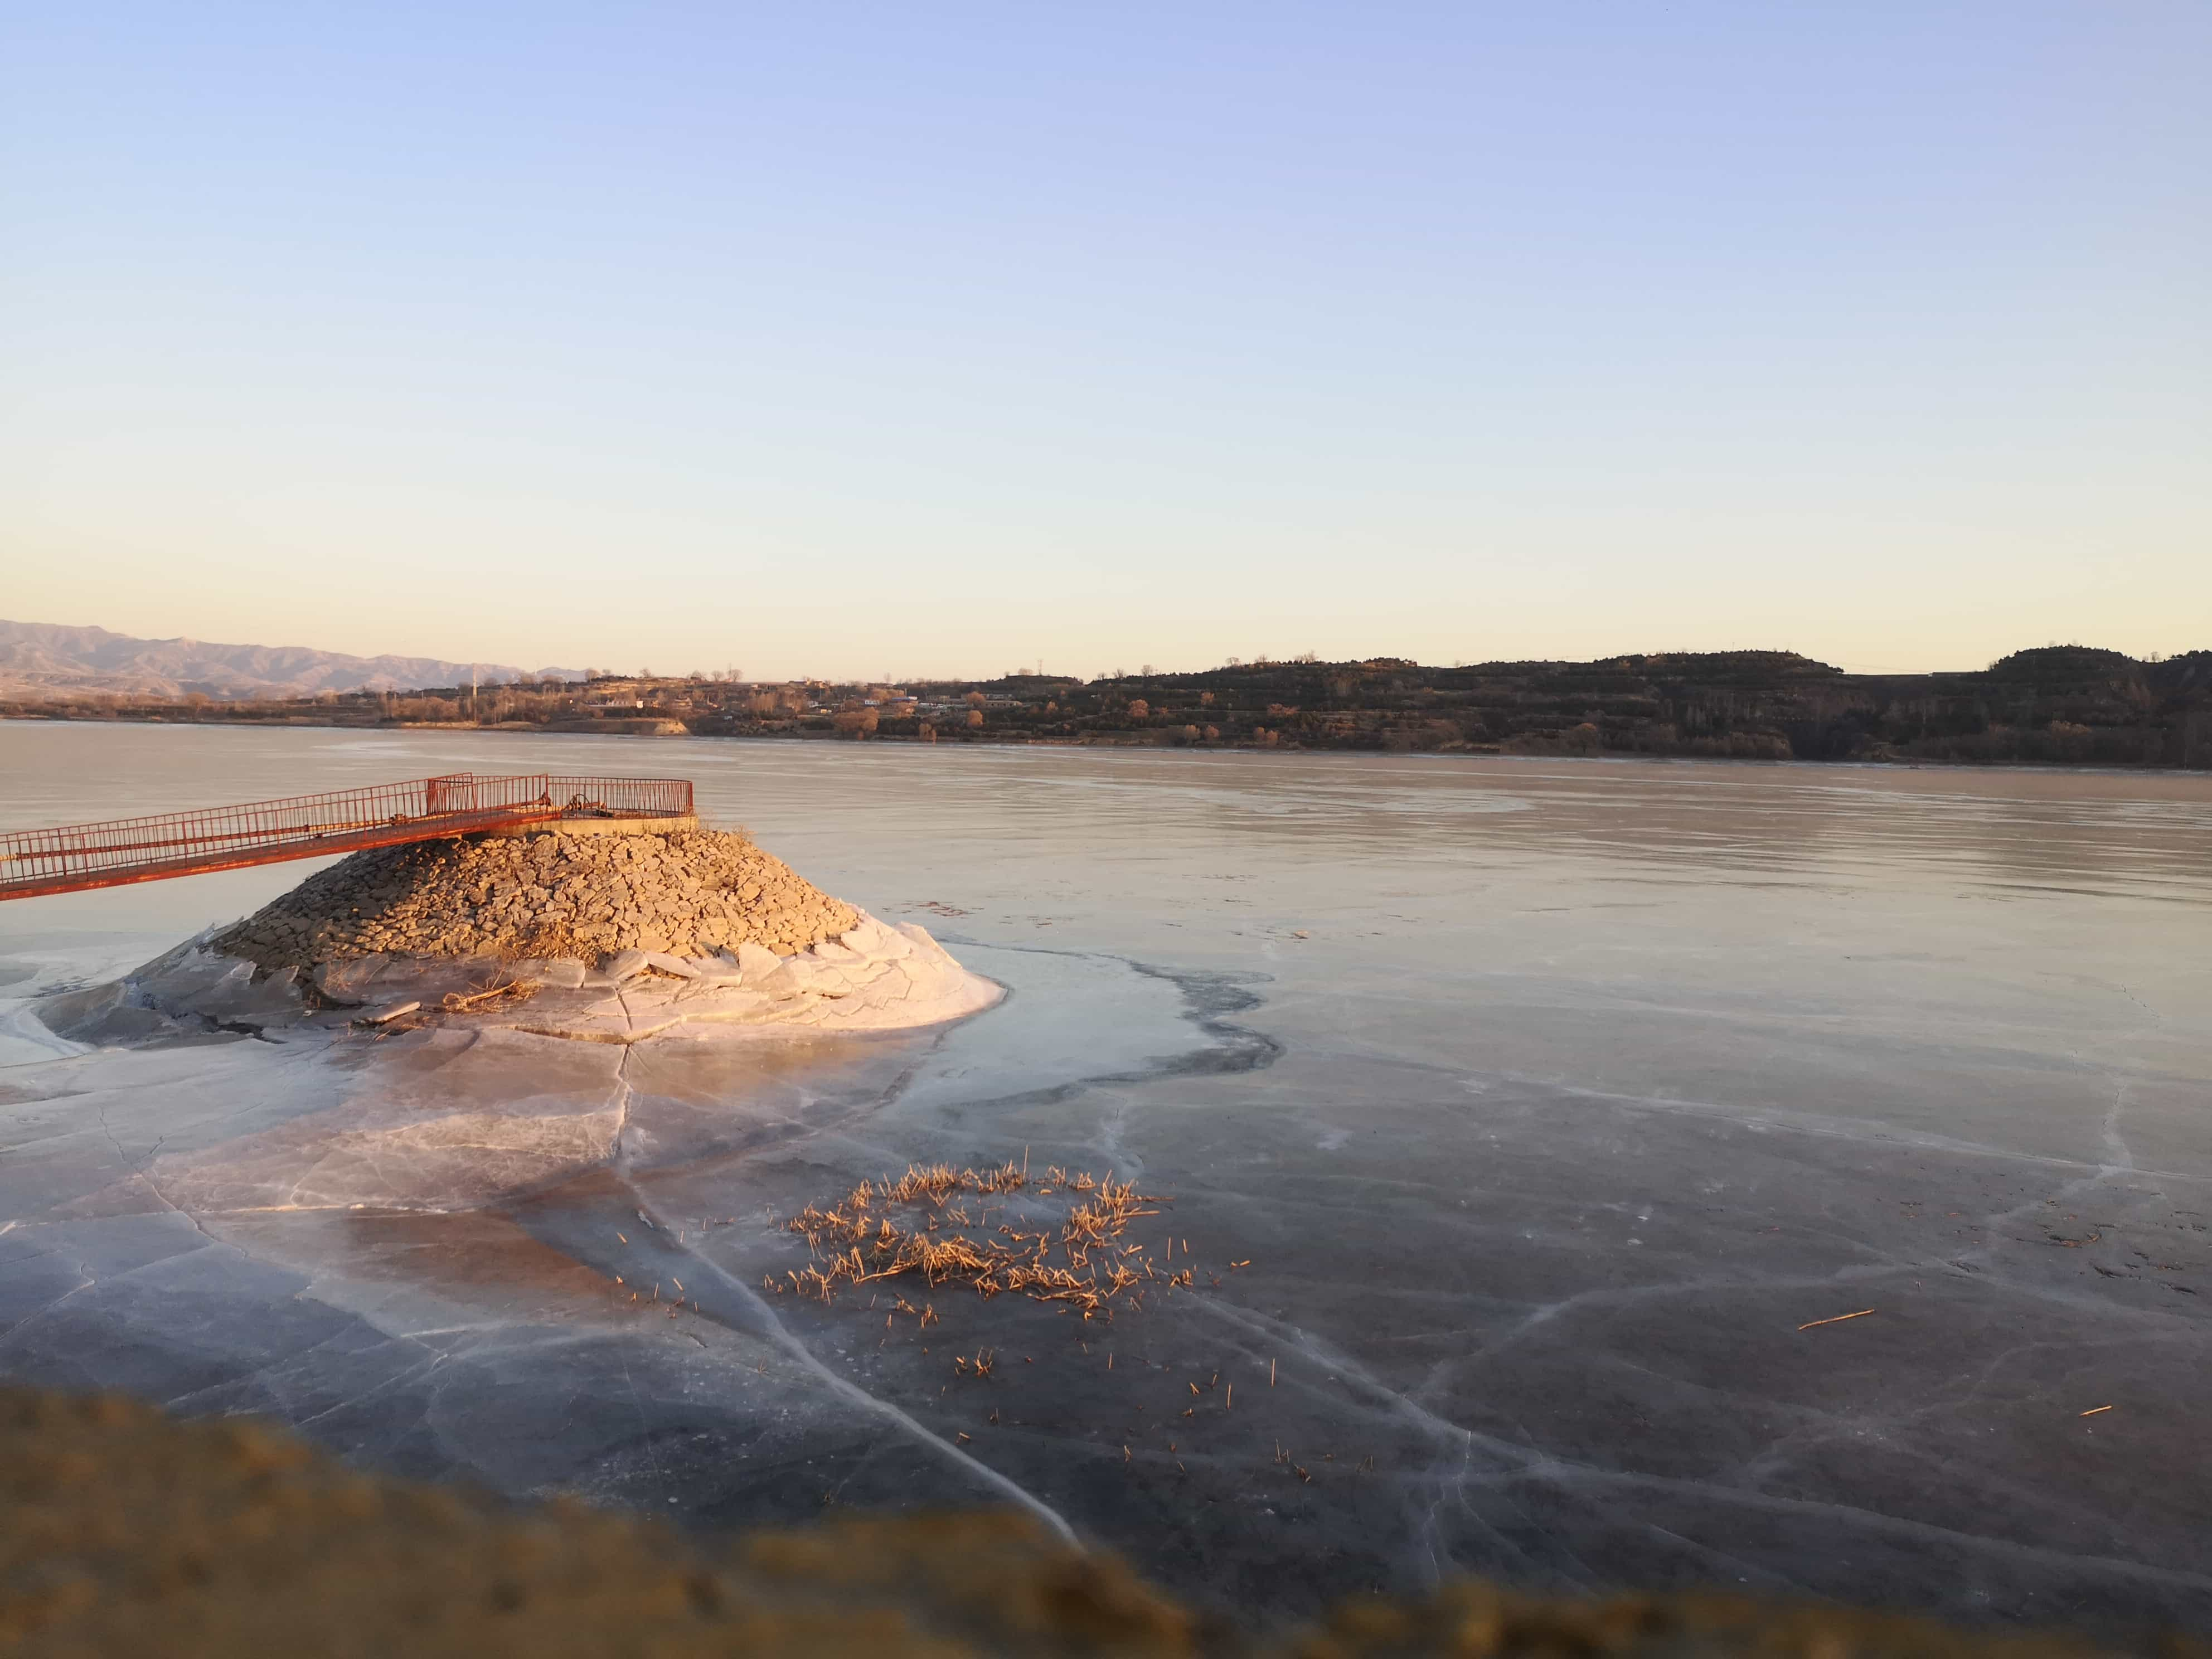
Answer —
(540, 896)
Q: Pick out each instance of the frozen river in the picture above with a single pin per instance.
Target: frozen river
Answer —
(1546, 1101)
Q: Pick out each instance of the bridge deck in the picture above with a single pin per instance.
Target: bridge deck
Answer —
(123, 850)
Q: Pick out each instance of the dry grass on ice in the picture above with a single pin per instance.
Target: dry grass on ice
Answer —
(923, 1224)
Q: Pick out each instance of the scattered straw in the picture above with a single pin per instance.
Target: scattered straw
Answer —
(923, 1224)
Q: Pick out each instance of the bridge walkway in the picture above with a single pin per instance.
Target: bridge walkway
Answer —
(74, 857)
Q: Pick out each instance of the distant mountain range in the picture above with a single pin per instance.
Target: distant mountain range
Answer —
(43, 657)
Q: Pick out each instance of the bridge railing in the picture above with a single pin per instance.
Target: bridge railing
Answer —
(621, 798)
(120, 850)
(464, 792)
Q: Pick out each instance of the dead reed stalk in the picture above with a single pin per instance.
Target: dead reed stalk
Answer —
(473, 1002)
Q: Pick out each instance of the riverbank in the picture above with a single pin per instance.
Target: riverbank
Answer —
(129, 1533)
(2058, 706)
(1767, 754)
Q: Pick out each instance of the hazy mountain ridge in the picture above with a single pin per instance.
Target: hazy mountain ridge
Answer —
(51, 657)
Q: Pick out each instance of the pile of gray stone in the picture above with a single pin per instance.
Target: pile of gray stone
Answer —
(686, 895)
(875, 976)
(607, 938)
(560, 934)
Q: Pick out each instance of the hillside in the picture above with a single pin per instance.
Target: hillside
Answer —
(2064, 705)
(2060, 705)
(43, 657)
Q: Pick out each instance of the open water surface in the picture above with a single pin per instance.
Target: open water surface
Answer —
(1546, 1101)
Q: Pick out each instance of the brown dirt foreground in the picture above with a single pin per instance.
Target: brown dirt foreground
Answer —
(125, 1533)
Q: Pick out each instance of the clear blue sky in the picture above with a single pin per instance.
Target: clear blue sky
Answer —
(925, 337)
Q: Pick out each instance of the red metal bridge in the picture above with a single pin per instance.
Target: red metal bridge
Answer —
(81, 855)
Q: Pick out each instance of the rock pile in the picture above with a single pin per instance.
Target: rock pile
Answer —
(548, 895)
(608, 938)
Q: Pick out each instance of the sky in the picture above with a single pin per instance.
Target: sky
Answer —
(895, 340)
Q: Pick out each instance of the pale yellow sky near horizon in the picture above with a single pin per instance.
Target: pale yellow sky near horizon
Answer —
(395, 577)
(1908, 630)
(938, 340)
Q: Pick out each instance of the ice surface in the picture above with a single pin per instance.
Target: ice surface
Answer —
(1546, 1101)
